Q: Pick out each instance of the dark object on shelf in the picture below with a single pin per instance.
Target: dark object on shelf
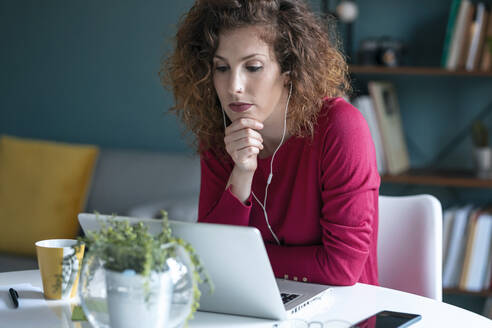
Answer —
(368, 52)
(390, 52)
(384, 51)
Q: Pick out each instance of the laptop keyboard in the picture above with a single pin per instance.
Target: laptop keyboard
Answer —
(286, 298)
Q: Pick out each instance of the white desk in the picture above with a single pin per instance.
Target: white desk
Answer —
(351, 304)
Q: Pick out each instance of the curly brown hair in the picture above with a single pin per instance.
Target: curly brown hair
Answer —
(301, 44)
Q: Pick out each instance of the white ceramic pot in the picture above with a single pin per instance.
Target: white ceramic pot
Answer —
(483, 162)
(110, 300)
(130, 305)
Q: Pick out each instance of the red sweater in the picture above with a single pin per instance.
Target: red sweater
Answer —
(322, 202)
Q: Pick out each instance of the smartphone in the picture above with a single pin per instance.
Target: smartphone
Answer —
(388, 319)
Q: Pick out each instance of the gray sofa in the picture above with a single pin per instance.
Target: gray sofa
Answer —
(136, 183)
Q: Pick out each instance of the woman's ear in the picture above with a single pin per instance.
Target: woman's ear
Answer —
(286, 76)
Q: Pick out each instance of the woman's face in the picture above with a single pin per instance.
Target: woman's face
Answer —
(247, 77)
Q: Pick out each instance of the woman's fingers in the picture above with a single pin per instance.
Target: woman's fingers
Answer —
(240, 140)
(247, 132)
(243, 156)
(243, 148)
(243, 142)
(243, 139)
(243, 123)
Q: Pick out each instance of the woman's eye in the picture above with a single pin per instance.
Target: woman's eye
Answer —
(221, 68)
(254, 68)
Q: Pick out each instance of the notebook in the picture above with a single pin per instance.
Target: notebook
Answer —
(237, 262)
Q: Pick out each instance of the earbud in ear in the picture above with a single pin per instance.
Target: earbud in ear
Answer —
(287, 77)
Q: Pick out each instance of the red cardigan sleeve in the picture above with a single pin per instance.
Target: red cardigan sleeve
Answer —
(349, 183)
(217, 204)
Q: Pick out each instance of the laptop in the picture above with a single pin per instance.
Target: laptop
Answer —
(237, 262)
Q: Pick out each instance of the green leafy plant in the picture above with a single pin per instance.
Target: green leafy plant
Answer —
(480, 134)
(123, 246)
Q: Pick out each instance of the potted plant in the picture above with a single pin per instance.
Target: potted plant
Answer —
(141, 273)
(482, 153)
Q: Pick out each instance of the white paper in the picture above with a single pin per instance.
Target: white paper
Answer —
(33, 310)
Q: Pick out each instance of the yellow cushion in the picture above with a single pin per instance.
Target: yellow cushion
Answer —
(43, 186)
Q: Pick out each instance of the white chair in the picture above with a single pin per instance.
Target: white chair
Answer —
(410, 244)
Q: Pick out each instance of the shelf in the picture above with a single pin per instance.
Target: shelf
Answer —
(447, 178)
(409, 70)
(484, 293)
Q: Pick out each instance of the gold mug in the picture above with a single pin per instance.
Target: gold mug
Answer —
(59, 261)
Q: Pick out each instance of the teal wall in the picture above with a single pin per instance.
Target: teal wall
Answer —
(86, 71)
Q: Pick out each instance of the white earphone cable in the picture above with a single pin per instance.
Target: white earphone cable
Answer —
(270, 176)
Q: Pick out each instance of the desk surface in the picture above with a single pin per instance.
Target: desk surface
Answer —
(351, 304)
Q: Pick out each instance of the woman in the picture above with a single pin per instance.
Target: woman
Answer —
(259, 84)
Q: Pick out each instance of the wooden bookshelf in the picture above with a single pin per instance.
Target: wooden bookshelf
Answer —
(405, 77)
(447, 178)
(483, 293)
(412, 70)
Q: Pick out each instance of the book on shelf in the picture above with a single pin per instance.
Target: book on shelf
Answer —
(456, 46)
(464, 46)
(470, 239)
(477, 37)
(470, 249)
(455, 5)
(479, 255)
(467, 248)
(385, 100)
(455, 254)
(468, 37)
(447, 224)
(486, 62)
(366, 107)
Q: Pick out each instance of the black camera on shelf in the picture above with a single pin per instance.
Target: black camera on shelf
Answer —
(384, 51)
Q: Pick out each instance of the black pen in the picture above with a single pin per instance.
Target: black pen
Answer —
(15, 297)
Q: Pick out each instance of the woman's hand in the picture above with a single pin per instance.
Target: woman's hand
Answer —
(243, 143)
